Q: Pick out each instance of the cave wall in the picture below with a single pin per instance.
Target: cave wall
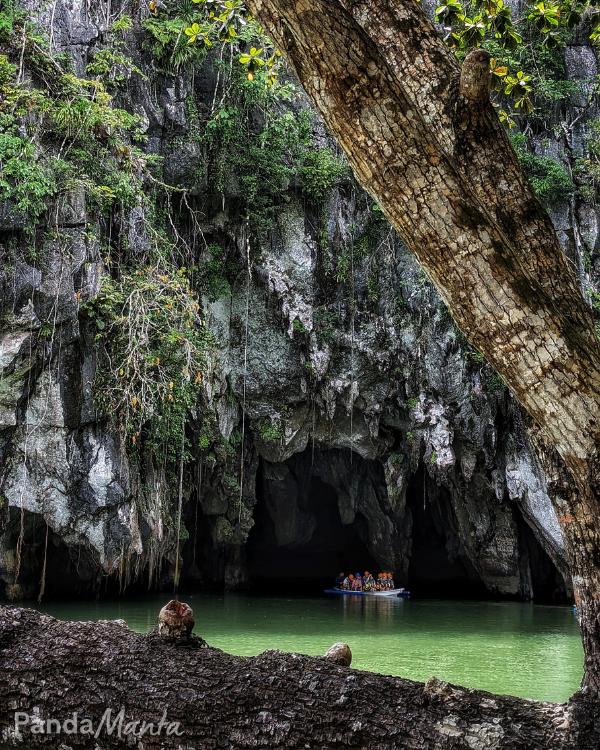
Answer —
(387, 378)
(326, 510)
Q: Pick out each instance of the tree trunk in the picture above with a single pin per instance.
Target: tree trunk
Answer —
(51, 669)
(423, 139)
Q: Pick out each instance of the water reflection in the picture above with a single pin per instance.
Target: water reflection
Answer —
(370, 608)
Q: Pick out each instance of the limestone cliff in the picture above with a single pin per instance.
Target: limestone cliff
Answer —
(350, 423)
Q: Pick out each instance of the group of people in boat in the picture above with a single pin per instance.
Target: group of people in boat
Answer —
(365, 582)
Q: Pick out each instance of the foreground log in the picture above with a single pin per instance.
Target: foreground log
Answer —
(208, 699)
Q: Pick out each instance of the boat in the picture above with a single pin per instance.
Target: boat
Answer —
(391, 593)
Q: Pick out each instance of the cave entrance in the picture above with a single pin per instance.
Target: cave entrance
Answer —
(298, 541)
(437, 568)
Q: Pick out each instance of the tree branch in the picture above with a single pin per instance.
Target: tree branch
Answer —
(475, 77)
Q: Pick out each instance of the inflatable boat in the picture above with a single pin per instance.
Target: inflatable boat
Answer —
(397, 593)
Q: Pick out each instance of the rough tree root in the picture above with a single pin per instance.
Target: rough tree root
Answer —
(276, 700)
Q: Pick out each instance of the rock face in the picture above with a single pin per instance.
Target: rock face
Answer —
(365, 431)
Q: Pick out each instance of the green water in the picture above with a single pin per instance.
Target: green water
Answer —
(527, 650)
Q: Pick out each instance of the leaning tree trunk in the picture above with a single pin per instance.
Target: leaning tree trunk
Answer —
(423, 139)
(52, 669)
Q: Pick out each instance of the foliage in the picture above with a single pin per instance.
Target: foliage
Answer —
(367, 245)
(524, 63)
(549, 179)
(60, 133)
(168, 45)
(269, 431)
(326, 322)
(25, 181)
(588, 169)
(299, 327)
(494, 381)
(259, 161)
(228, 22)
(183, 31)
(319, 171)
(154, 348)
(110, 65)
(265, 161)
(7, 71)
(213, 273)
(256, 149)
(373, 284)
(343, 262)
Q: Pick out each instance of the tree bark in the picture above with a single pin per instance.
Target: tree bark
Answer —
(51, 669)
(423, 139)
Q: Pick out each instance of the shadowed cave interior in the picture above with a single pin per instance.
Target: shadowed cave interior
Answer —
(323, 547)
(318, 514)
(42, 560)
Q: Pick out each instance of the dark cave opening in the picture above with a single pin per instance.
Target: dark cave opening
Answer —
(547, 583)
(68, 569)
(437, 568)
(298, 541)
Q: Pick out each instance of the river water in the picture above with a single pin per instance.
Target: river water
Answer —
(527, 650)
